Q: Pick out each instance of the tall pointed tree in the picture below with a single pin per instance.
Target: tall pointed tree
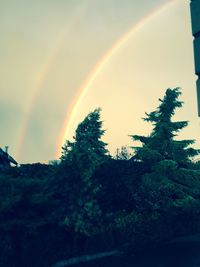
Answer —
(161, 143)
(88, 150)
(83, 156)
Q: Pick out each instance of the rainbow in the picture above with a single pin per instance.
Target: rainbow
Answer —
(40, 80)
(82, 91)
(44, 71)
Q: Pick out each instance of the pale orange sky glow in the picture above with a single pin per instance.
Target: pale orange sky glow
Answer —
(48, 51)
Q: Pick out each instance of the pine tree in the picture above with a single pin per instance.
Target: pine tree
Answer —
(84, 156)
(161, 143)
(170, 184)
(88, 150)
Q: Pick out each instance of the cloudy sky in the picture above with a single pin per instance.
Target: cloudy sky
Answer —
(122, 54)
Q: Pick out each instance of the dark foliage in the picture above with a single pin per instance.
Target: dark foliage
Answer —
(90, 202)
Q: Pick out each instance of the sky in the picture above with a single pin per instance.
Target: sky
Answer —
(62, 59)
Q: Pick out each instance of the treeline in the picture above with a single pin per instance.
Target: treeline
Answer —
(91, 202)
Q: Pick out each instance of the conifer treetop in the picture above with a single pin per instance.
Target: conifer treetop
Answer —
(160, 144)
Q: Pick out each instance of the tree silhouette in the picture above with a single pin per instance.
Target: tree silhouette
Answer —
(84, 156)
(161, 143)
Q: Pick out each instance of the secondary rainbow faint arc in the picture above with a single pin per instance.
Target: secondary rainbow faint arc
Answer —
(99, 67)
(44, 71)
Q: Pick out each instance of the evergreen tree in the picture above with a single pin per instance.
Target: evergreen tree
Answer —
(161, 143)
(84, 156)
(88, 150)
(170, 186)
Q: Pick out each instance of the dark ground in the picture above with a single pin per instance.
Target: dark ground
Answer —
(179, 253)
